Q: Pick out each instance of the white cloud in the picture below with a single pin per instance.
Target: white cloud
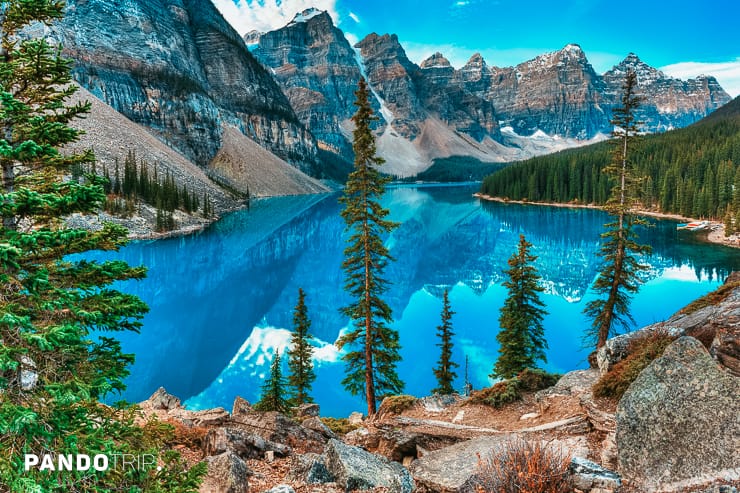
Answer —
(354, 17)
(727, 73)
(268, 15)
(461, 3)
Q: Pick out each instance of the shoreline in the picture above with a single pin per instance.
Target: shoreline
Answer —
(715, 234)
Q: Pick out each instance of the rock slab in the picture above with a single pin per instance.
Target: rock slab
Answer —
(679, 422)
(357, 469)
(227, 473)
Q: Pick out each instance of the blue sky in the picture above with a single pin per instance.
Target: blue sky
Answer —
(682, 38)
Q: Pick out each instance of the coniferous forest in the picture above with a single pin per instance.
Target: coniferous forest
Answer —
(694, 171)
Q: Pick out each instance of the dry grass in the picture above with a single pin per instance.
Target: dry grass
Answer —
(189, 436)
(522, 466)
(711, 299)
(640, 353)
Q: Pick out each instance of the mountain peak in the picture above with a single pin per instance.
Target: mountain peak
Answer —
(573, 48)
(476, 61)
(436, 61)
(307, 15)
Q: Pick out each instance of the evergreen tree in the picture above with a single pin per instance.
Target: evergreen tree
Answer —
(57, 359)
(522, 336)
(444, 372)
(619, 276)
(273, 390)
(374, 346)
(299, 355)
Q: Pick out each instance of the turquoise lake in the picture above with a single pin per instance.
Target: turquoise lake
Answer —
(221, 300)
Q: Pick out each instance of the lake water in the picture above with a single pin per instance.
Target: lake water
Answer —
(221, 300)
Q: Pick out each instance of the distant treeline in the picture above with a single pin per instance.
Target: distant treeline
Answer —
(693, 171)
(126, 185)
(456, 169)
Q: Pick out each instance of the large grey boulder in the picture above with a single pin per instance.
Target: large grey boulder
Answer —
(227, 473)
(452, 469)
(357, 469)
(679, 422)
(575, 382)
(310, 469)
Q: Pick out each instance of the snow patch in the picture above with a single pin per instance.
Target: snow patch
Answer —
(262, 344)
(305, 15)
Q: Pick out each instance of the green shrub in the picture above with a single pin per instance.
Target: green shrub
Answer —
(641, 351)
(500, 394)
(396, 404)
(534, 379)
(711, 299)
(340, 426)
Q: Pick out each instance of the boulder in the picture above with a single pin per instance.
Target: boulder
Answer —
(315, 424)
(241, 406)
(679, 421)
(725, 347)
(587, 475)
(354, 468)
(310, 469)
(246, 445)
(277, 427)
(572, 383)
(438, 403)
(161, 400)
(227, 473)
(207, 418)
(396, 444)
(309, 410)
(452, 469)
(364, 438)
(355, 418)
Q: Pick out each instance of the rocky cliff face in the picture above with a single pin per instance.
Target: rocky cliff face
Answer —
(390, 72)
(431, 110)
(668, 103)
(178, 68)
(558, 93)
(317, 69)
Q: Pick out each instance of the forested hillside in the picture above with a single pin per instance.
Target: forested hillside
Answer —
(694, 171)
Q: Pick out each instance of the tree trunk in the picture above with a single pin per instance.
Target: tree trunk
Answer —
(369, 381)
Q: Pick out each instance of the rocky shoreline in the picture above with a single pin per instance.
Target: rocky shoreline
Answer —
(676, 429)
(715, 234)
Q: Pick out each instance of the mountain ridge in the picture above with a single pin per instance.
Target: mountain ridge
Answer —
(553, 101)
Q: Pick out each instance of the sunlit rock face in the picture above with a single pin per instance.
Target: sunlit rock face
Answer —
(178, 68)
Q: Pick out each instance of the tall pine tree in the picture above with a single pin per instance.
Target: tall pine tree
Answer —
(374, 347)
(521, 335)
(57, 359)
(299, 355)
(273, 390)
(619, 276)
(444, 372)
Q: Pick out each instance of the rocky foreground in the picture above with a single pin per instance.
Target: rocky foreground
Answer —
(677, 427)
